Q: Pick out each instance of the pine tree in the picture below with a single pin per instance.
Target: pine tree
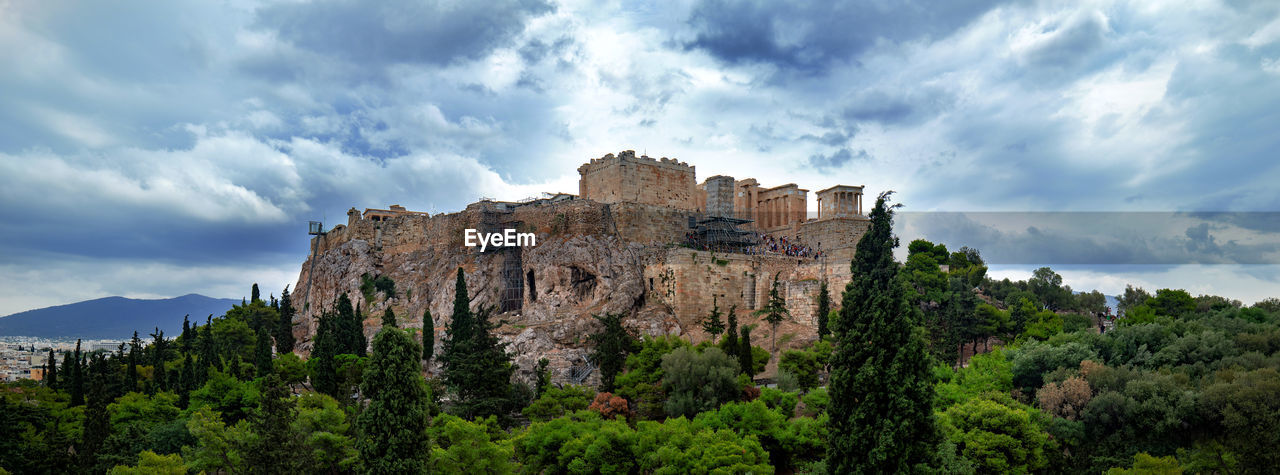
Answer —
(774, 310)
(253, 293)
(612, 345)
(388, 317)
(393, 427)
(284, 326)
(745, 359)
(51, 371)
(77, 378)
(712, 323)
(277, 449)
(477, 367)
(824, 309)
(131, 372)
(881, 412)
(262, 352)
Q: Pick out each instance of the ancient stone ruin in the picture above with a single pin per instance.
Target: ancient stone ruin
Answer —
(641, 238)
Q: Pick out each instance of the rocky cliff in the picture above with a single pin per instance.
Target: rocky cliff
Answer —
(590, 258)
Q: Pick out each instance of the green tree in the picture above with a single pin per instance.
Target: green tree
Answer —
(612, 345)
(151, 463)
(393, 435)
(468, 447)
(544, 377)
(428, 336)
(774, 310)
(477, 367)
(159, 346)
(277, 446)
(324, 373)
(557, 402)
(712, 324)
(881, 387)
(262, 353)
(254, 295)
(51, 371)
(350, 329)
(730, 342)
(284, 324)
(97, 424)
(746, 362)
(77, 377)
(388, 317)
(698, 382)
(824, 309)
(131, 371)
(998, 434)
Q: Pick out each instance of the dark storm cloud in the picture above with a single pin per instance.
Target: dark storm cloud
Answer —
(836, 159)
(406, 31)
(812, 37)
(897, 107)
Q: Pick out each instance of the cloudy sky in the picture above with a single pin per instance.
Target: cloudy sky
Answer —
(153, 149)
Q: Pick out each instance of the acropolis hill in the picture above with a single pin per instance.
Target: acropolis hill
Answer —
(642, 237)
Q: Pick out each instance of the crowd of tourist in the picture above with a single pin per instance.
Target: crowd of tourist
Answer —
(782, 245)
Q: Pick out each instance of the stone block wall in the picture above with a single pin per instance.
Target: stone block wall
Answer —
(644, 180)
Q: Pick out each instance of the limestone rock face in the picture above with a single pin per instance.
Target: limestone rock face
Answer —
(590, 258)
(564, 281)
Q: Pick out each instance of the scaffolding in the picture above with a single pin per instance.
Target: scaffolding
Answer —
(721, 234)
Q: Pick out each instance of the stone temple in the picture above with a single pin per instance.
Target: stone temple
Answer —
(642, 238)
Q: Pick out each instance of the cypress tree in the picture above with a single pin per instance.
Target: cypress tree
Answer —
(97, 424)
(712, 323)
(186, 379)
(262, 352)
(159, 380)
(186, 333)
(824, 309)
(730, 343)
(77, 378)
(745, 361)
(68, 370)
(612, 345)
(393, 427)
(208, 352)
(544, 378)
(277, 449)
(350, 329)
(774, 310)
(284, 326)
(428, 336)
(253, 293)
(388, 318)
(882, 392)
(477, 367)
(324, 377)
(51, 371)
(131, 372)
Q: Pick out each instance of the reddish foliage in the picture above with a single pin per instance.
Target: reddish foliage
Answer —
(750, 393)
(610, 406)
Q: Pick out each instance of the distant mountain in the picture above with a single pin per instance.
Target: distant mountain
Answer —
(113, 317)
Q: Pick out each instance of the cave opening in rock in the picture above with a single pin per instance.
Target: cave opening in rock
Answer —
(533, 289)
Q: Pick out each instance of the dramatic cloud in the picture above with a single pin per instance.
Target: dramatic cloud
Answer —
(150, 148)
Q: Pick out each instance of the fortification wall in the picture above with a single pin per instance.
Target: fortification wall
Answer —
(644, 180)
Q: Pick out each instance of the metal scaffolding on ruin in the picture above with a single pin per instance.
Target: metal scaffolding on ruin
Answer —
(721, 234)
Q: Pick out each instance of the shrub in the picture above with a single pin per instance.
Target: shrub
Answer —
(697, 382)
(557, 402)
